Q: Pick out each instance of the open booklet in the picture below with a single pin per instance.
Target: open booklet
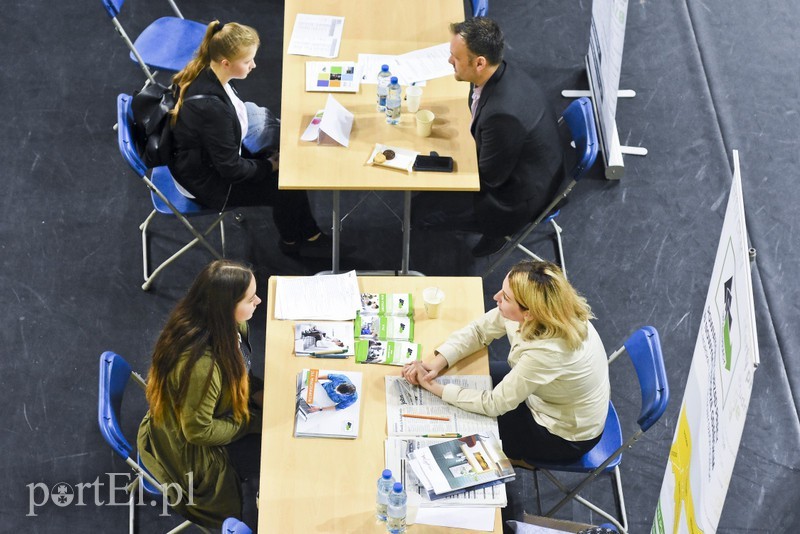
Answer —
(328, 404)
(407, 433)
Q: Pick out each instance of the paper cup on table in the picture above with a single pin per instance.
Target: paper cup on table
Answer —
(424, 122)
(413, 96)
(432, 297)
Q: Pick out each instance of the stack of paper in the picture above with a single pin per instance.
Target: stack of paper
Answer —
(333, 297)
(460, 465)
(413, 413)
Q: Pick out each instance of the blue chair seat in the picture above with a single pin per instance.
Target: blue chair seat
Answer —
(169, 43)
(163, 180)
(610, 442)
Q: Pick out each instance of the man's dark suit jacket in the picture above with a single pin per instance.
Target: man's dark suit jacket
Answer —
(520, 154)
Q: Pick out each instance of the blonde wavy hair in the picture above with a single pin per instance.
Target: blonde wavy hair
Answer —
(221, 41)
(555, 309)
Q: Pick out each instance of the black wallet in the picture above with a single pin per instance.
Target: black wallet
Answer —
(433, 163)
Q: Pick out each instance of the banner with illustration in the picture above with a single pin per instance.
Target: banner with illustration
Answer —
(718, 387)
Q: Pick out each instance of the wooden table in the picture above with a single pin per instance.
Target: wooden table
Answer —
(376, 28)
(323, 485)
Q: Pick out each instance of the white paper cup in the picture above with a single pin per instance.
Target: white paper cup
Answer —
(432, 298)
(424, 122)
(413, 96)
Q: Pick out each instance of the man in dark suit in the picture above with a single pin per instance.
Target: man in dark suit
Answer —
(520, 155)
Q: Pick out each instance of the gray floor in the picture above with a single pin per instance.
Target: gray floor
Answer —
(711, 77)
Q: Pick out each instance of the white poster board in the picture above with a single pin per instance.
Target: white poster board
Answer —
(718, 388)
(603, 65)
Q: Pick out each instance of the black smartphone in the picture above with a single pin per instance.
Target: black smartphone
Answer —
(433, 163)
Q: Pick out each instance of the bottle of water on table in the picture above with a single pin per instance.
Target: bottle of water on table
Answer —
(385, 485)
(384, 77)
(393, 100)
(396, 512)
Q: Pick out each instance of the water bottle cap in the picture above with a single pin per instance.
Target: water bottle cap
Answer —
(398, 487)
(385, 68)
(394, 79)
(387, 474)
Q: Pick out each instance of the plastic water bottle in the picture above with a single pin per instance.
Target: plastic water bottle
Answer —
(384, 77)
(393, 100)
(385, 484)
(396, 512)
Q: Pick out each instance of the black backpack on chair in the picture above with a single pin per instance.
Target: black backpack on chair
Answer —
(151, 122)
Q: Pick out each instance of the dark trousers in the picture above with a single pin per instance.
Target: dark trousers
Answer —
(524, 438)
(291, 210)
(455, 211)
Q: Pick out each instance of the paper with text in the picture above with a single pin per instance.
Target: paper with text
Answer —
(316, 35)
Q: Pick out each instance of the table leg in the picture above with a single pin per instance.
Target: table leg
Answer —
(336, 228)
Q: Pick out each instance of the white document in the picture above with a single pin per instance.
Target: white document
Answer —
(369, 65)
(332, 123)
(316, 35)
(426, 63)
(403, 398)
(333, 297)
(457, 517)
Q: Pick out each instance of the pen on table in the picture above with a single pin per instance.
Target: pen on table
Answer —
(415, 435)
(328, 354)
(422, 416)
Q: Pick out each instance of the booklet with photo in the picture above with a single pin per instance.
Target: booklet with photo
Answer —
(328, 404)
(387, 304)
(384, 327)
(387, 352)
(458, 465)
(332, 338)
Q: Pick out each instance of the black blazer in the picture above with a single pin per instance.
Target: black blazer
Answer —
(207, 139)
(520, 153)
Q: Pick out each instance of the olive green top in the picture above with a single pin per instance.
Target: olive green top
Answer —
(186, 450)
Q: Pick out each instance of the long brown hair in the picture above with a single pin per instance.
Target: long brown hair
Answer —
(203, 322)
(555, 308)
(221, 41)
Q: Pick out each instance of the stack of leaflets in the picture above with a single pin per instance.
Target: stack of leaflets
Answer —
(332, 339)
(417, 419)
(460, 465)
(384, 327)
(387, 352)
(387, 304)
(328, 404)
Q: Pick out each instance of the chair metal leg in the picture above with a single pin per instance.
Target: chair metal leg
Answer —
(145, 260)
(149, 277)
(572, 494)
(560, 246)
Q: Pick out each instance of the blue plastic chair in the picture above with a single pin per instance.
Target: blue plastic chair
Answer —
(644, 350)
(166, 198)
(114, 376)
(234, 526)
(579, 119)
(480, 8)
(167, 43)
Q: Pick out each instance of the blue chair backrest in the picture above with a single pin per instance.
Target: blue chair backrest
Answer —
(127, 147)
(234, 526)
(114, 375)
(480, 8)
(580, 120)
(644, 349)
(113, 7)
